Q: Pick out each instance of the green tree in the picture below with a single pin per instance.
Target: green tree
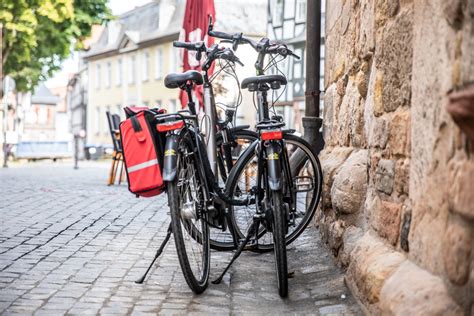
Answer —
(39, 34)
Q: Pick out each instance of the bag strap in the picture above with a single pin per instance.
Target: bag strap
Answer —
(136, 124)
(138, 129)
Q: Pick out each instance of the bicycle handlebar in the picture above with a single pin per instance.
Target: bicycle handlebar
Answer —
(196, 46)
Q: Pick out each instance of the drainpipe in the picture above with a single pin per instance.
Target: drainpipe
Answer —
(312, 122)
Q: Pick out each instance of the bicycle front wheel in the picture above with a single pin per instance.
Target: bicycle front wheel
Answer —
(279, 227)
(188, 221)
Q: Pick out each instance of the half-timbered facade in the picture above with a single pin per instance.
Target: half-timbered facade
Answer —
(287, 22)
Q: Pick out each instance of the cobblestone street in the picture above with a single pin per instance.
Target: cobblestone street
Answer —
(71, 245)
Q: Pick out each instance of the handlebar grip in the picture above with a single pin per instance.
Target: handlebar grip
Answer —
(221, 35)
(197, 46)
(182, 44)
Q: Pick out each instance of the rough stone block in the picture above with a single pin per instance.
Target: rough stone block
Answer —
(411, 290)
(366, 33)
(379, 133)
(387, 221)
(378, 90)
(402, 176)
(336, 231)
(385, 9)
(350, 184)
(350, 103)
(350, 238)
(330, 163)
(461, 194)
(356, 126)
(394, 58)
(384, 177)
(457, 250)
(371, 264)
(362, 81)
(332, 102)
(399, 140)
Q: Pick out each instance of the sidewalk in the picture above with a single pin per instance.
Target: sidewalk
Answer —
(70, 244)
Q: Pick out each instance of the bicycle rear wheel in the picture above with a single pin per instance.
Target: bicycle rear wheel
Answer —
(188, 220)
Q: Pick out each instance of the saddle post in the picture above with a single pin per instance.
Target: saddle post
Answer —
(192, 106)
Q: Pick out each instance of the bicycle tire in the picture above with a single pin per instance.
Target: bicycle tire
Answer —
(296, 166)
(278, 231)
(181, 226)
(222, 240)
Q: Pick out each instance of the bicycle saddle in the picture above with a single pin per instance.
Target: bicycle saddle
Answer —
(176, 80)
(252, 83)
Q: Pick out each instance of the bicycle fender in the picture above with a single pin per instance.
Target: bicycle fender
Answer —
(273, 151)
(171, 157)
(239, 128)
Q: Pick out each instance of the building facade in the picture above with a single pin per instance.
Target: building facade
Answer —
(128, 63)
(126, 66)
(287, 23)
(398, 206)
(40, 116)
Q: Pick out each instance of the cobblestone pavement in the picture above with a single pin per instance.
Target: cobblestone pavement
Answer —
(71, 245)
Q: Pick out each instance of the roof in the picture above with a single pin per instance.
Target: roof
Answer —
(147, 23)
(43, 95)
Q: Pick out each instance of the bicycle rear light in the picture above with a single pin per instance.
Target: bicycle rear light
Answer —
(271, 134)
(170, 126)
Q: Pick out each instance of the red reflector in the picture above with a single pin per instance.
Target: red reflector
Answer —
(271, 135)
(169, 126)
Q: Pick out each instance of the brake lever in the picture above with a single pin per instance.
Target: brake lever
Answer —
(238, 62)
(295, 56)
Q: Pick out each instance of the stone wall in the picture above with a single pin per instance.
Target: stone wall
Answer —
(398, 200)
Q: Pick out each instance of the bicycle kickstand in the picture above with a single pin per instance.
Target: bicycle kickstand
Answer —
(158, 253)
(238, 252)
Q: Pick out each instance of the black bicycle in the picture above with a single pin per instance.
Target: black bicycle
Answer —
(305, 168)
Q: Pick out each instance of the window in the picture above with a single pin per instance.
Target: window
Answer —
(119, 72)
(97, 121)
(97, 76)
(108, 75)
(42, 115)
(131, 70)
(159, 63)
(300, 15)
(173, 60)
(145, 63)
(277, 14)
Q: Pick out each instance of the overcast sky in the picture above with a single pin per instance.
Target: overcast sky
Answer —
(70, 65)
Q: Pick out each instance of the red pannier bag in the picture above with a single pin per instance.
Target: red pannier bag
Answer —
(143, 153)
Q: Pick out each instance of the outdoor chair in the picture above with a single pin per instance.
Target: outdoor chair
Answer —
(117, 155)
